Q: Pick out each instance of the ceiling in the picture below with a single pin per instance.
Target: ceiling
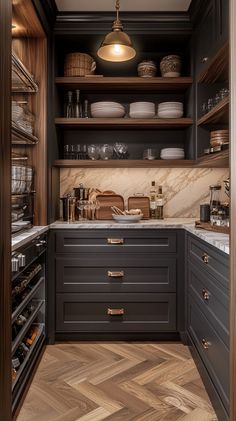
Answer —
(125, 5)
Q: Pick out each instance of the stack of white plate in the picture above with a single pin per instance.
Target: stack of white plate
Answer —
(170, 110)
(106, 109)
(172, 153)
(142, 110)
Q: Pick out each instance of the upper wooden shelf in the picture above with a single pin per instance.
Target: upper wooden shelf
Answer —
(217, 115)
(217, 160)
(126, 83)
(124, 123)
(218, 68)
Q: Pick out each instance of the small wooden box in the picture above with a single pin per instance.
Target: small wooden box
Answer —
(106, 201)
(140, 202)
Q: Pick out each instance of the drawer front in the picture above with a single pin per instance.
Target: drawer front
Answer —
(73, 276)
(133, 313)
(216, 357)
(214, 303)
(119, 241)
(209, 260)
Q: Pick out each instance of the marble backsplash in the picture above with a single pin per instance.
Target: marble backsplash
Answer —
(184, 189)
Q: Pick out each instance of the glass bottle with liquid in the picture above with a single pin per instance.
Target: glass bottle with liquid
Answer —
(153, 205)
(160, 204)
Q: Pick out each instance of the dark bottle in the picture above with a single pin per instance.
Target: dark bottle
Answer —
(77, 106)
(15, 363)
(160, 204)
(21, 352)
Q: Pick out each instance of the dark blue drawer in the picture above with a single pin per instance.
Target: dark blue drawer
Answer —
(211, 298)
(212, 349)
(117, 274)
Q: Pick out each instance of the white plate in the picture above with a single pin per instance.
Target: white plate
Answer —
(124, 219)
(169, 104)
(172, 150)
(172, 157)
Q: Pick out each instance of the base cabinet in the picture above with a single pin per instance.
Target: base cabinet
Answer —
(114, 281)
(208, 318)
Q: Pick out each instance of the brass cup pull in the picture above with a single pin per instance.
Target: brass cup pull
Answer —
(205, 344)
(115, 274)
(115, 241)
(115, 311)
(205, 295)
(205, 258)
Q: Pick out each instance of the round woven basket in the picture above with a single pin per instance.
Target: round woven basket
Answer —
(79, 64)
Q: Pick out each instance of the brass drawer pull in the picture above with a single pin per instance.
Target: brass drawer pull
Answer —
(205, 295)
(205, 258)
(115, 241)
(205, 344)
(115, 311)
(115, 274)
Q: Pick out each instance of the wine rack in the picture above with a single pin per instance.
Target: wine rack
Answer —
(28, 312)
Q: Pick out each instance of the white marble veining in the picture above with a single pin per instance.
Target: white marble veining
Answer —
(184, 188)
(220, 241)
(25, 237)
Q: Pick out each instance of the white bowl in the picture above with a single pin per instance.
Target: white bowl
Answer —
(172, 149)
(169, 104)
(106, 104)
(125, 219)
(141, 114)
(107, 113)
(142, 104)
(170, 114)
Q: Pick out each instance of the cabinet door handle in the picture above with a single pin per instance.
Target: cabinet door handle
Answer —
(115, 240)
(204, 59)
(205, 344)
(205, 294)
(205, 258)
(115, 311)
(115, 274)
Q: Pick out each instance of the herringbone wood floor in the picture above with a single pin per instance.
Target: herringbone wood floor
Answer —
(117, 382)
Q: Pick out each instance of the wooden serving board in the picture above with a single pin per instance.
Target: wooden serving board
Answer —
(208, 227)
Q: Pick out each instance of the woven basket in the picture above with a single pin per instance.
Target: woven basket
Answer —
(106, 201)
(142, 203)
(79, 64)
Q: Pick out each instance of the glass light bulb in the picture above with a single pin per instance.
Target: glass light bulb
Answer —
(117, 49)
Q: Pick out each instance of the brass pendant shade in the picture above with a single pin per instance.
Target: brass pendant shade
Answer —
(117, 45)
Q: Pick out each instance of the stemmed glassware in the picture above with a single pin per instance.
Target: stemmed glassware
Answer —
(87, 209)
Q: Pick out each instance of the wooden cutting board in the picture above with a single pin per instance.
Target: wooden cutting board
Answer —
(208, 227)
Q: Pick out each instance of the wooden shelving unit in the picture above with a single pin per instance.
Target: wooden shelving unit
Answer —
(218, 69)
(218, 115)
(124, 123)
(217, 160)
(180, 84)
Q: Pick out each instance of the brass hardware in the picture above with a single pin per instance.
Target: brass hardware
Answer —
(115, 311)
(115, 274)
(205, 295)
(205, 258)
(115, 241)
(205, 344)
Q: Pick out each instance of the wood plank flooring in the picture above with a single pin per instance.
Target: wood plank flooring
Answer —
(120, 381)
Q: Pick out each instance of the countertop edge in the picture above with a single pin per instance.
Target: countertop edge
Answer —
(22, 239)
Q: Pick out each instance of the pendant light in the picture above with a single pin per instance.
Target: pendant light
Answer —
(117, 45)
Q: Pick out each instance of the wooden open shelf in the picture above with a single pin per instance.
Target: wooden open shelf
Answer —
(94, 83)
(124, 123)
(218, 115)
(217, 160)
(218, 68)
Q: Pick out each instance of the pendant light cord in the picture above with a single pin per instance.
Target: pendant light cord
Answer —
(117, 25)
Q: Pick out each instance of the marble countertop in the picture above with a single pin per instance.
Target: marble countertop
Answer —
(220, 241)
(25, 237)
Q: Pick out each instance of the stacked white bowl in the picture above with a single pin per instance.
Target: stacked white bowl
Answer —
(172, 153)
(142, 110)
(170, 110)
(104, 109)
